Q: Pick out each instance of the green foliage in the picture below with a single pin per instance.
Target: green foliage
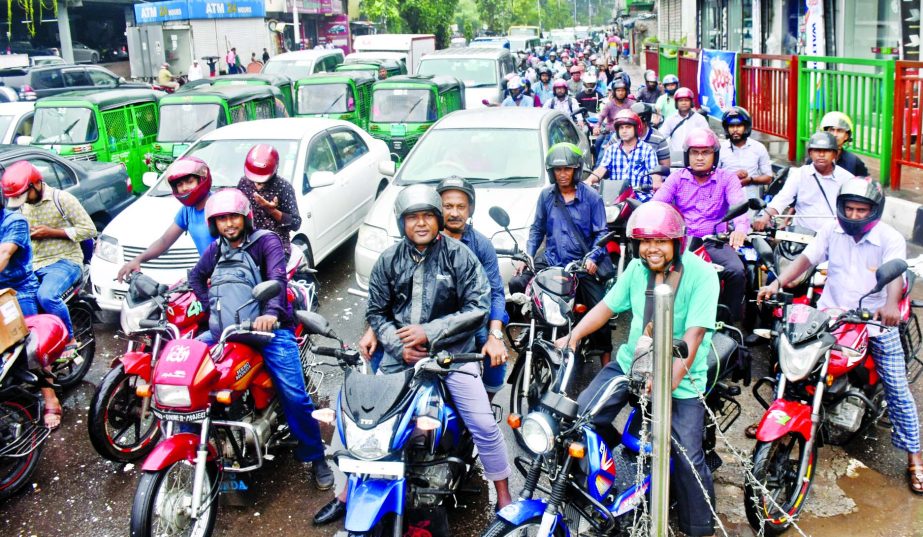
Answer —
(413, 16)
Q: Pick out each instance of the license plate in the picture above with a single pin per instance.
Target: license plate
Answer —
(184, 417)
(356, 466)
(398, 129)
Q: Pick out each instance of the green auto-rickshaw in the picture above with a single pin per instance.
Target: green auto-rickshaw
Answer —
(107, 126)
(393, 68)
(187, 116)
(342, 95)
(284, 84)
(403, 107)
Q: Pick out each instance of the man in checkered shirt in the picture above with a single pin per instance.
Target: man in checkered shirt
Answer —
(629, 159)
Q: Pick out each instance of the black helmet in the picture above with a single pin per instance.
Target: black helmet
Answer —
(822, 140)
(416, 198)
(564, 155)
(457, 183)
(864, 191)
(737, 115)
(617, 83)
(644, 110)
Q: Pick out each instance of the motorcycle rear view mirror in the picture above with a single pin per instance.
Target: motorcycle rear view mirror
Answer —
(265, 290)
(461, 323)
(500, 216)
(888, 272)
(607, 238)
(315, 323)
(662, 170)
(756, 204)
(736, 210)
(762, 249)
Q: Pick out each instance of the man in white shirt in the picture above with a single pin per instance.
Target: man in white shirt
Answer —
(813, 188)
(680, 124)
(743, 156)
(195, 71)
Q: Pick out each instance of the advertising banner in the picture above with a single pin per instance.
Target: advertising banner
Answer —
(814, 41)
(717, 75)
(336, 31)
(172, 10)
(910, 30)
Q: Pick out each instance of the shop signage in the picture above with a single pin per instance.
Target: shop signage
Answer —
(814, 40)
(910, 30)
(717, 73)
(172, 10)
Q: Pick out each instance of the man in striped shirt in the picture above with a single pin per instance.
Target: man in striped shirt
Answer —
(629, 159)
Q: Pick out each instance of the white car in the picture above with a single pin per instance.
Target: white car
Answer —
(333, 166)
(500, 150)
(15, 121)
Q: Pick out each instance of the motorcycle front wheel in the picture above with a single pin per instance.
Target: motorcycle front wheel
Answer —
(162, 504)
(19, 433)
(529, 528)
(116, 429)
(522, 402)
(773, 497)
(71, 372)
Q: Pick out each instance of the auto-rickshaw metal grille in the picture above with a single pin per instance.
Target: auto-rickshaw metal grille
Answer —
(117, 128)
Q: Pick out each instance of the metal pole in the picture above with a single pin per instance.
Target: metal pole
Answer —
(296, 28)
(662, 411)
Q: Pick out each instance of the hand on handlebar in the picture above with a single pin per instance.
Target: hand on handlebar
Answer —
(889, 315)
(767, 292)
(761, 223)
(368, 343)
(736, 239)
(591, 267)
(264, 323)
(519, 266)
(413, 355)
(127, 269)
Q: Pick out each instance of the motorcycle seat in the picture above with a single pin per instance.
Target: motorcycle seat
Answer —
(368, 398)
(720, 357)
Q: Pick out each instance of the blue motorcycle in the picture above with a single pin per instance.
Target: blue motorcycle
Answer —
(406, 446)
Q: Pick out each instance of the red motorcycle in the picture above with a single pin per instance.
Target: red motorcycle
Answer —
(22, 430)
(827, 391)
(225, 392)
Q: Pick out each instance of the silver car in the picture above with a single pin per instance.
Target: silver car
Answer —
(500, 150)
(84, 54)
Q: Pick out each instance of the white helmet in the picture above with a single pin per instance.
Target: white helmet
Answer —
(589, 80)
(514, 83)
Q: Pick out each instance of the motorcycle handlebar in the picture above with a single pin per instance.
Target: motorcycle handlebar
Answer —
(247, 326)
(349, 356)
(148, 323)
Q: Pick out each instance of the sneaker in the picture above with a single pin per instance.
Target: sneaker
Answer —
(323, 475)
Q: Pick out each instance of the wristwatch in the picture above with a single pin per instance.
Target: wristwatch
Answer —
(496, 333)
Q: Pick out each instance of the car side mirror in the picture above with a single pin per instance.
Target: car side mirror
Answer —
(387, 168)
(266, 290)
(23, 140)
(121, 81)
(149, 179)
(321, 179)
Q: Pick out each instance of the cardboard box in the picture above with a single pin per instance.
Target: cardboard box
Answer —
(12, 323)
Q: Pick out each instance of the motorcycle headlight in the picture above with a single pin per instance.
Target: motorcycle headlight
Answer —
(797, 362)
(130, 317)
(373, 238)
(372, 444)
(552, 310)
(613, 212)
(538, 432)
(107, 249)
(173, 396)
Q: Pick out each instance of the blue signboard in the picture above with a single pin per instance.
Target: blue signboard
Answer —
(717, 71)
(172, 10)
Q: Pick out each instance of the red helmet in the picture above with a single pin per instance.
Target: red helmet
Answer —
(684, 93)
(228, 201)
(702, 139)
(657, 220)
(16, 181)
(262, 163)
(627, 117)
(185, 167)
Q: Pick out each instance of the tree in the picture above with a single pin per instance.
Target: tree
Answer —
(413, 16)
(496, 14)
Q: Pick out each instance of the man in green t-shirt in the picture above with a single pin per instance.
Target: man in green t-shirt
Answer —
(658, 236)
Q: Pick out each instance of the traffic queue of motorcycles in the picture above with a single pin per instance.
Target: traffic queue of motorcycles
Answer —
(199, 416)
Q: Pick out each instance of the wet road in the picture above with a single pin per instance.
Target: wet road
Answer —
(77, 493)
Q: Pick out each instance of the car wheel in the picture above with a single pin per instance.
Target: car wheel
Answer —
(94, 58)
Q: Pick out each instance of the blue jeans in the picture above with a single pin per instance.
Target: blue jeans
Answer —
(28, 302)
(53, 281)
(284, 367)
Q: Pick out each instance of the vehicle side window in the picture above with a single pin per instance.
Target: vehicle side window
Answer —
(557, 132)
(570, 132)
(349, 146)
(53, 173)
(25, 126)
(333, 62)
(238, 114)
(47, 79)
(76, 77)
(264, 109)
(65, 177)
(321, 158)
(102, 78)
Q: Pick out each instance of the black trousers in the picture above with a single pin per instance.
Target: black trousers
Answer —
(734, 278)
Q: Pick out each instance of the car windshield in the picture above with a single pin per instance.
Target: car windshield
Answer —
(293, 69)
(225, 159)
(403, 106)
(188, 122)
(474, 73)
(325, 99)
(64, 126)
(481, 155)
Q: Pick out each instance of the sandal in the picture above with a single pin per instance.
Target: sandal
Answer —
(750, 432)
(68, 354)
(53, 411)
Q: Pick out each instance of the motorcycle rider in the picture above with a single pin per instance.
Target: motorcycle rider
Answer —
(856, 244)
(191, 182)
(458, 198)
(166, 79)
(543, 88)
(275, 206)
(230, 220)
(618, 101)
(590, 98)
(629, 159)
(587, 215)
(516, 95)
(676, 127)
(58, 223)
(747, 158)
(416, 288)
(16, 272)
(651, 90)
(563, 102)
(575, 84)
(658, 236)
(666, 104)
(841, 127)
(650, 135)
(529, 94)
(813, 189)
(702, 193)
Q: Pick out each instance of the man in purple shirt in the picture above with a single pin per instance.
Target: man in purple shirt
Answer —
(703, 193)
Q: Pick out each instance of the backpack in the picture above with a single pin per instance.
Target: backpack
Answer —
(86, 245)
(234, 276)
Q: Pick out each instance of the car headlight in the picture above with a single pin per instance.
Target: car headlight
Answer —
(538, 432)
(107, 249)
(502, 240)
(370, 444)
(373, 238)
(796, 363)
(172, 396)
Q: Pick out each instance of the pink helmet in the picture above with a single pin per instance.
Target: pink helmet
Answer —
(228, 201)
(559, 83)
(702, 139)
(684, 93)
(183, 168)
(657, 220)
